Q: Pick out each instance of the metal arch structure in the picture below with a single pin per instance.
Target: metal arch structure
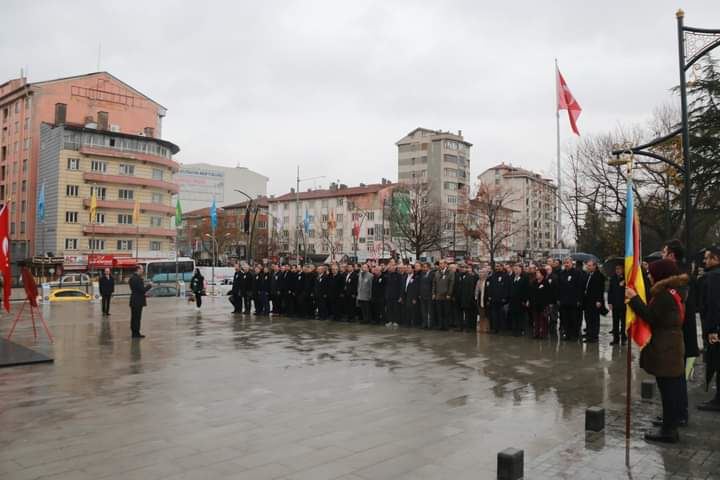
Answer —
(693, 44)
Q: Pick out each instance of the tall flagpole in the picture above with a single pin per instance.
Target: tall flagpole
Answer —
(558, 232)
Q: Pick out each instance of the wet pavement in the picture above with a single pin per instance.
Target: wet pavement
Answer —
(209, 395)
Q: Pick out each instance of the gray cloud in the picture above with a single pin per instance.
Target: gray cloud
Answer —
(332, 85)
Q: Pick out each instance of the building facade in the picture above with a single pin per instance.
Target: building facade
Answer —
(124, 170)
(241, 233)
(200, 183)
(442, 159)
(336, 222)
(533, 198)
(98, 99)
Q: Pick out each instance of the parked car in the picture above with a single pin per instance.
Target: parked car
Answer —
(162, 291)
(72, 280)
(69, 295)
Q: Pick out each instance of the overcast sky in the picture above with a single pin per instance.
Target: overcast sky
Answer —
(332, 85)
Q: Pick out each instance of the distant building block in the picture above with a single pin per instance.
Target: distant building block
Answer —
(595, 419)
(510, 464)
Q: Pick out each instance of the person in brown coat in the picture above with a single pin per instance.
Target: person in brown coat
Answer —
(664, 355)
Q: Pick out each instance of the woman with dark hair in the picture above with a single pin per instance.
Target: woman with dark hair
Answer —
(540, 299)
(197, 285)
(664, 355)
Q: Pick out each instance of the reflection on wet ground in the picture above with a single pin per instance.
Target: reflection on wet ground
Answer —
(212, 395)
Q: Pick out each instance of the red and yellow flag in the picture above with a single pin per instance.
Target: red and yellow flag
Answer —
(638, 330)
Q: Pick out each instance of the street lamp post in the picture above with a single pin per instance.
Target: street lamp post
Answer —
(693, 44)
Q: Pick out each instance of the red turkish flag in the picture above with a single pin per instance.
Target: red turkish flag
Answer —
(5, 256)
(566, 101)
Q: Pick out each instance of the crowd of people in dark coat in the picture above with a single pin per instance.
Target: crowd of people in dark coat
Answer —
(539, 299)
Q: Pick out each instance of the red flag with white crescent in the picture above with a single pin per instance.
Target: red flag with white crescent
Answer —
(5, 255)
(566, 101)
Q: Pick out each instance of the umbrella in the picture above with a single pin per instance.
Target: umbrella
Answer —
(712, 363)
(583, 257)
(610, 263)
(653, 257)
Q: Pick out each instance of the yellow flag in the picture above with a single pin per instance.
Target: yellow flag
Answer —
(136, 212)
(93, 206)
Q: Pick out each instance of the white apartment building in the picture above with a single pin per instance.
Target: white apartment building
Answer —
(442, 159)
(331, 215)
(533, 198)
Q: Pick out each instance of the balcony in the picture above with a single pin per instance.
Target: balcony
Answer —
(128, 230)
(126, 205)
(125, 154)
(129, 180)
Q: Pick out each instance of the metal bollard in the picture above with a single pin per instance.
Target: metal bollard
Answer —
(595, 419)
(510, 464)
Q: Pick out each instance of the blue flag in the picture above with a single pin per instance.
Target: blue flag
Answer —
(213, 215)
(306, 222)
(41, 204)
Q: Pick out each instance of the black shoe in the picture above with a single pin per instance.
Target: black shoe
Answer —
(664, 436)
(711, 406)
(138, 335)
(658, 422)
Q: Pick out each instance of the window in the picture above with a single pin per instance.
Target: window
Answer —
(102, 120)
(24, 165)
(60, 113)
(125, 219)
(311, 234)
(149, 132)
(22, 227)
(324, 217)
(157, 198)
(71, 244)
(157, 173)
(23, 205)
(157, 221)
(155, 245)
(14, 188)
(126, 169)
(124, 244)
(99, 218)
(72, 190)
(339, 232)
(71, 217)
(27, 144)
(285, 206)
(339, 217)
(324, 203)
(73, 164)
(101, 192)
(96, 244)
(12, 228)
(23, 187)
(340, 202)
(98, 166)
(371, 232)
(124, 194)
(370, 215)
(452, 199)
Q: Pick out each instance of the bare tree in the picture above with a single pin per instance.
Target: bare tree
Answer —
(416, 219)
(491, 221)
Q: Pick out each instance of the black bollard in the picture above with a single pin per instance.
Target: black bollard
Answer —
(595, 419)
(647, 388)
(510, 464)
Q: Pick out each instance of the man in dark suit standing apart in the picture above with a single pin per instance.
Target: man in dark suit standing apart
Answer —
(350, 292)
(235, 293)
(394, 289)
(570, 294)
(275, 289)
(107, 288)
(593, 300)
(497, 296)
(468, 304)
(138, 288)
(247, 288)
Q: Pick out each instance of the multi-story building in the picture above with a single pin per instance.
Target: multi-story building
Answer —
(334, 222)
(443, 160)
(533, 197)
(124, 170)
(200, 183)
(241, 233)
(98, 99)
